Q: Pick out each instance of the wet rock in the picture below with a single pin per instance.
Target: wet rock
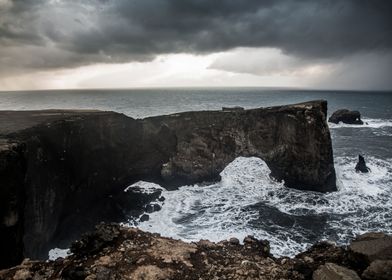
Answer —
(346, 116)
(261, 246)
(150, 208)
(378, 270)
(361, 165)
(234, 241)
(331, 271)
(144, 218)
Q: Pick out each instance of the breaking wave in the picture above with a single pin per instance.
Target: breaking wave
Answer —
(248, 201)
(367, 123)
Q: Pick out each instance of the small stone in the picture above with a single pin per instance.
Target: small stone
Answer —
(308, 259)
(283, 261)
(250, 239)
(144, 218)
(22, 274)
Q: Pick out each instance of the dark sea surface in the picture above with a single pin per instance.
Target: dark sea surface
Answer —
(247, 201)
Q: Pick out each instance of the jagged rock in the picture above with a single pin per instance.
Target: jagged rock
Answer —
(331, 271)
(346, 116)
(378, 270)
(68, 169)
(90, 243)
(361, 165)
(114, 252)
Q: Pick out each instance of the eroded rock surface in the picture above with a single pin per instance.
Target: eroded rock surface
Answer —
(63, 171)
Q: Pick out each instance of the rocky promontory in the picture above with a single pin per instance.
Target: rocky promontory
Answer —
(114, 252)
(63, 171)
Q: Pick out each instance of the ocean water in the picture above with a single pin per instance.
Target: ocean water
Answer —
(247, 201)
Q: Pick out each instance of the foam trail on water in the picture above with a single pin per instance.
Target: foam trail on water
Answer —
(248, 201)
(367, 123)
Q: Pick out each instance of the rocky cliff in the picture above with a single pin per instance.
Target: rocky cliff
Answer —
(64, 171)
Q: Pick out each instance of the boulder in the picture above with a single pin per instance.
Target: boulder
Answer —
(331, 271)
(378, 270)
(369, 247)
(346, 116)
(361, 165)
(64, 171)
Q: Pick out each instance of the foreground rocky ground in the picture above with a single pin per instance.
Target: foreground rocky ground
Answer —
(115, 252)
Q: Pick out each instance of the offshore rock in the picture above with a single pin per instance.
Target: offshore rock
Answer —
(361, 165)
(63, 171)
(346, 116)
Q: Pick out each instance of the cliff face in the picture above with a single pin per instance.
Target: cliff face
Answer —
(293, 140)
(64, 171)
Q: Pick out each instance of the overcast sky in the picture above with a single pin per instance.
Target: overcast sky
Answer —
(342, 44)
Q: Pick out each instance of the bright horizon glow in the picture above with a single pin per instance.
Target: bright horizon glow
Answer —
(241, 67)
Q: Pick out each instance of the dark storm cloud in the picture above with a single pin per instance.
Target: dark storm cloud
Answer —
(53, 34)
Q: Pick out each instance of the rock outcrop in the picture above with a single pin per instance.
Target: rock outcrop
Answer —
(114, 252)
(346, 116)
(331, 271)
(64, 171)
(361, 165)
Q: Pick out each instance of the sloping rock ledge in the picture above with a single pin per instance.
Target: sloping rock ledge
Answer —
(114, 252)
(64, 171)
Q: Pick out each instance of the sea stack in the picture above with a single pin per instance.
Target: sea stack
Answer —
(361, 165)
(346, 116)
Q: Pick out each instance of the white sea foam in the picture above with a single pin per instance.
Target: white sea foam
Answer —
(248, 201)
(144, 187)
(58, 253)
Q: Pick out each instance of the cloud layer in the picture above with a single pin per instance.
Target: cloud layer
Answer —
(50, 34)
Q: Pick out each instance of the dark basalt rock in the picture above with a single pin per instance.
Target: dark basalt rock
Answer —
(64, 171)
(361, 165)
(92, 242)
(346, 116)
